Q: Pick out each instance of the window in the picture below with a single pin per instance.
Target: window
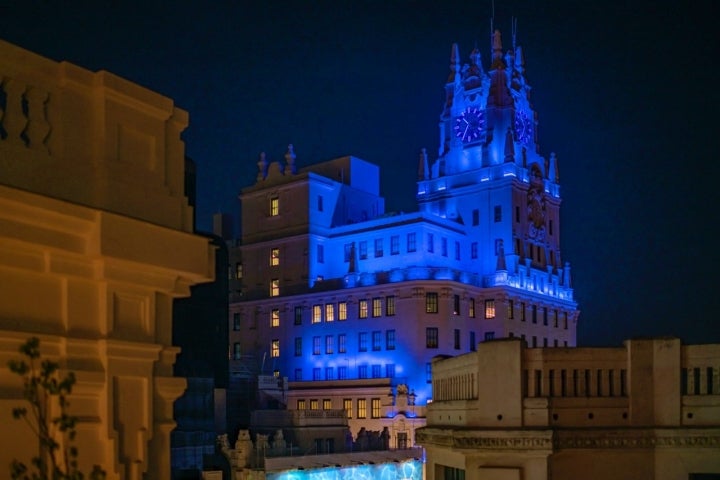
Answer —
(347, 252)
(329, 373)
(474, 250)
(342, 311)
(545, 316)
(275, 348)
(534, 313)
(321, 254)
(473, 342)
(550, 226)
(274, 206)
(363, 308)
(390, 340)
(555, 318)
(320, 203)
(301, 404)
(545, 342)
(375, 408)
(390, 305)
(363, 250)
(362, 371)
(376, 307)
(317, 314)
(329, 312)
(274, 257)
(236, 351)
(376, 340)
(443, 247)
(275, 317)
(378, 247)
(362, 341)
(522, 311)
(361, 408)
(342, 373)
(298, 315)
(428, 373)
(298, 346)
(329, 344)
(489, 335)
(457, 250)
(430, 243)
(565, 320)
(316, 373)
(511, 309)
(376, 371)
(471, 308)
(238, 271)
(314, 403)
(490, 308)
(342, 343)
(534, 341)
(456, 339)
(555, 342)
(298, 376)
(236, 321)
(475, 217)
(394, 245)
(390, 370)
(431, 337)
(431, 302)
(411, 242)
(498, 213)
(327, 404)
(316, 345)
(347, 406)
(456, 304)
(517, 214)
(274, 287)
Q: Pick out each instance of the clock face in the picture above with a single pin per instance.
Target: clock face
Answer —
(470, 125)
(523, 127)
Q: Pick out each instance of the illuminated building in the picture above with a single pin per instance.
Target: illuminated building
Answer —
(96, 241)
(349, 302)
(647, 410)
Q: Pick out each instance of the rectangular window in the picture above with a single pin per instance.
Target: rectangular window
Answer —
(342, 311)
(238, 271)
(342, 373)
(361, 408)
(475, 217)
(390, 339)
(489, 308)
(534, 313)
(474, 250)
(378, 247)
(347, 252)
(275, 317)
(390, 370)
(456, 304)
(298, 315)
(473, 342)
(316, 345)
(443, 247)
(545, 342)
(274, 257)
(315, 403)
(298, 346)
(534, 341)
(362, 341)
(301, 404)
(317, 372)
(320, 254)
(394, 244)
(430, 243)
(565, 320)
(329, 312)
(298, 375)
(342, 343)
(275, 348)
(363, 250)
(347, 406)
(376, 371)
(375, 408)
(320, 203)
(456, 339)
(390, 305)
(376, 340)
(237, 352)
(329, 344)
(327, 404)
(329, 373)
(498, 213)
(489, 335)
(555, 318)
(376, 307)
(274, 287)
(457, 250)
(236, 321)
(363, 308)
(511, 309)
(545, 316)
(411, 242)
(522, 311)
(431, 302)
(362, 371)
(517, 214)
(317, 314)
(274, 206)
(471, 308)
(431, 337)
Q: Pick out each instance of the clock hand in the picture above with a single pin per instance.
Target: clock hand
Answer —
(466, 129)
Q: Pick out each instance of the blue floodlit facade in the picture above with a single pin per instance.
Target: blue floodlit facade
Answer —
(406, 470)
(331, 288)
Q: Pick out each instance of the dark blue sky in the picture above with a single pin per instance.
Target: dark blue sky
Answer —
(626, 94)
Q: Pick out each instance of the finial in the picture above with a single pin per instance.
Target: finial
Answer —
(290, 168)
(423, 170)
(513, 26)
(552, 173)
(454, 64)
(262, 167)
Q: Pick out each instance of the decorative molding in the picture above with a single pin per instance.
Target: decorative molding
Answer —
(637, 438)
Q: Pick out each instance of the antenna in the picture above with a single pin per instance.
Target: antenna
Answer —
(514, 30)
(492, 18)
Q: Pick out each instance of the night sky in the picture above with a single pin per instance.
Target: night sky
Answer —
(626, 93)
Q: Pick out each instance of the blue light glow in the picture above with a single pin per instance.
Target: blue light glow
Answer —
(408, 470)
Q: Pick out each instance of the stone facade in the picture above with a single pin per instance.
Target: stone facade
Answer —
(95, 243)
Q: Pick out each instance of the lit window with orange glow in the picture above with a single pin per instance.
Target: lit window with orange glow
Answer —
(490, 308)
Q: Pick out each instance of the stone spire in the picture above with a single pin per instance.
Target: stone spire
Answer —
(497, 56)
(552, 169)
(423, 169)
(262, 167)
(290, 167)
(454, 64)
